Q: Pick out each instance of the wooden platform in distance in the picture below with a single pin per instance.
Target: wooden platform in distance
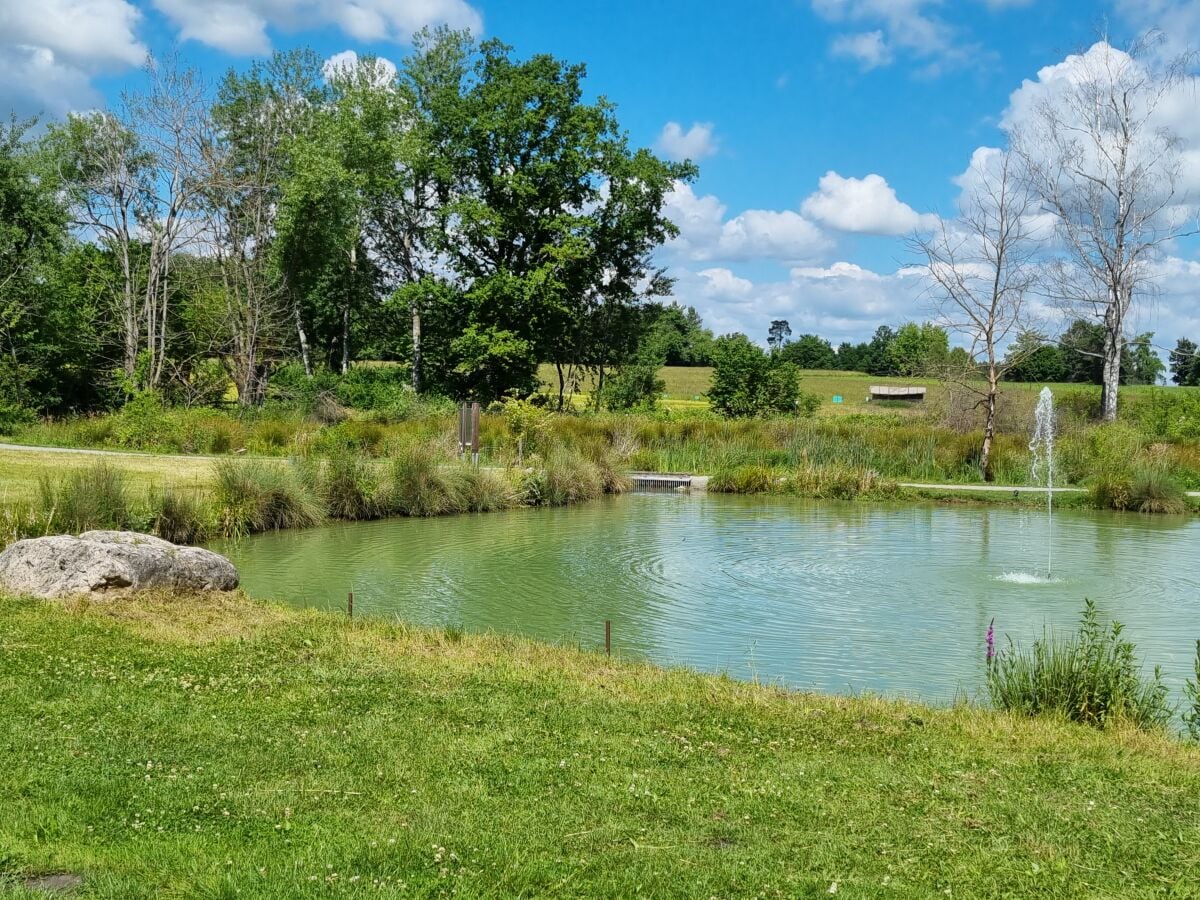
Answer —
(916, 393)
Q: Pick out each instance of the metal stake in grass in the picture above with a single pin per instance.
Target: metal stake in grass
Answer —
(350, 605)
(607, 637)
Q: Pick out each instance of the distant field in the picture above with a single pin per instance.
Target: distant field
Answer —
(688, 385)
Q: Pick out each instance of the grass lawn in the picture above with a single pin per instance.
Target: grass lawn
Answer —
(213, 748)
(22, 470)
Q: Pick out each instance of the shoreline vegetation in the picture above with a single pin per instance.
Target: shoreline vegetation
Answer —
(268, 751)
(316, 459)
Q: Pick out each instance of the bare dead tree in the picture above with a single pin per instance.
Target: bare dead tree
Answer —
(980, 268)
(238, 227)
(171, 120)
(1100, 160)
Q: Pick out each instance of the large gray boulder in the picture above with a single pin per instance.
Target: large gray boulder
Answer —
(110, 563)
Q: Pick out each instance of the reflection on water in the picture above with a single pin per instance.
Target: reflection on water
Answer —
(829, 596)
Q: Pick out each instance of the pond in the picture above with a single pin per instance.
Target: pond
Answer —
(835, 597)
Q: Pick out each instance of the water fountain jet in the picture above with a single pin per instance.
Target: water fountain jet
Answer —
(1041, 465)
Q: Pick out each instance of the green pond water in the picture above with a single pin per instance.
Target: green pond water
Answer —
(837, 597)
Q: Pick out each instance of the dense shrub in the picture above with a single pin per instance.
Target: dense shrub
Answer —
(747, 381)
(14, 417)
(1089, 677)
(1169, 414)
(633, 387)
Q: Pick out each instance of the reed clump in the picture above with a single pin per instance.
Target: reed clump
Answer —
(829, 482)
(92, 498)
(350, 487)
(419, 485)
(180, 517)
(253, 496)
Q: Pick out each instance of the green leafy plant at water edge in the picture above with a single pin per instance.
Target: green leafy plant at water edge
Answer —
(1191, 690)
(1089, 677)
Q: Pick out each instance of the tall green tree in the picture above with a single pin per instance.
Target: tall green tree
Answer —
(41, 322)
(340, 164)
(810, 351)
(919, 349)
(1185, 363)
(550, 217)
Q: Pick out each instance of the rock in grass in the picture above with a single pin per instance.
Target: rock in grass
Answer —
(110, 563)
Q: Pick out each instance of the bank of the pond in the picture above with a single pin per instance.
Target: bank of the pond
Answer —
(172, 746)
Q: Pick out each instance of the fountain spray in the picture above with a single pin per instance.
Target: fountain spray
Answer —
(1041, 464)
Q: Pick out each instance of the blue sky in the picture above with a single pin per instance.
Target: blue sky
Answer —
(825, 130)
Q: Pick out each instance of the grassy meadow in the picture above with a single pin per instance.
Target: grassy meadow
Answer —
(220, 747)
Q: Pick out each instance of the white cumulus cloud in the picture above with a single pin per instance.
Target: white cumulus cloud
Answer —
(755, 234)
(241, 27)
(50, 50)
(840, 302)
(863, 206)
(906, 25)
(695, 143)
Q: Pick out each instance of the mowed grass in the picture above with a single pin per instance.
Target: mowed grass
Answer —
(221, 747)
(21, 471)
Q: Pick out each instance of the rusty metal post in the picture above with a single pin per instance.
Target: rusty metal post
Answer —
(607, 637)
(350, 605)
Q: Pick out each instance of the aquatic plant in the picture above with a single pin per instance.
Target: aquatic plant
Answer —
(349, 486)
(482, 490)
(1089, 677)
(566, 476)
